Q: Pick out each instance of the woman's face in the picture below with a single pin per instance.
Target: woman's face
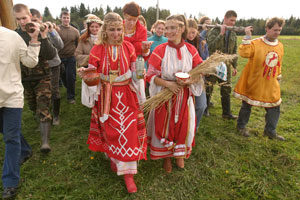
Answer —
(114, 33)
(129, 22)
(173, 31)
(159, 29)
(94, 28)
(192, 33)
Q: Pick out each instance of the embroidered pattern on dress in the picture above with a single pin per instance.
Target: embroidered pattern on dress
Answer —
(124, 116)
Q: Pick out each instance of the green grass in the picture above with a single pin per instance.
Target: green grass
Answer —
(223, 165)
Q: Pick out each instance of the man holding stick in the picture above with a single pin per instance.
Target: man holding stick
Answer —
(221, 39)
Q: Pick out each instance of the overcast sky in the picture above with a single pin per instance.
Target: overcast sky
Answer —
(212, 8)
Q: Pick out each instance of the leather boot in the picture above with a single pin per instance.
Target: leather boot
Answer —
(168, 165)
(45, 134)
(226, 108)
(56, 108)
(130, 184)
(180, 162)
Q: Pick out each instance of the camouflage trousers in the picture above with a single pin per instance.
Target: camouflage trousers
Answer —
(55, 76)
(38, 95)
(225, 86)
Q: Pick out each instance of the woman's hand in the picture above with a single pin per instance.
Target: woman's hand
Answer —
(174, 87)
(183, 83)
(81, 71)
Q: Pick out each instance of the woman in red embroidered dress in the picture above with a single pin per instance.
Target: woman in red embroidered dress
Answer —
(135, 32)
(171, 127)
(117, 123)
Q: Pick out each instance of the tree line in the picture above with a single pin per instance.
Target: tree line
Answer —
(78, 13)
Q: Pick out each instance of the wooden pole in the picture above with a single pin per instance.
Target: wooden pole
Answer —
(6, 14)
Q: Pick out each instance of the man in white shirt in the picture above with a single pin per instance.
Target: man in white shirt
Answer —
(14, 50)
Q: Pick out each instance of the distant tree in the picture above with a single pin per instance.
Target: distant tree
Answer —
(108, 9)
(82, 11)
(47, 15)
(118, 10)
(98, 12)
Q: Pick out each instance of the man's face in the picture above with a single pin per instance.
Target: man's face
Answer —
(34, 18)
(273, 33)
(22, 18)
(229, 21)
(65, 20)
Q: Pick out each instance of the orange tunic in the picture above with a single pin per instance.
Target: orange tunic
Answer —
(259, 82)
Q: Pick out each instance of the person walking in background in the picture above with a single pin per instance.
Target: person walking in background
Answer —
(54, 64)
(117, 122)
(87, 40)
(135, 32)
(14, 50)
(194, 38)
(221, 39)
(70, 36)
(36, 81)
(171, 127)
(259, 82)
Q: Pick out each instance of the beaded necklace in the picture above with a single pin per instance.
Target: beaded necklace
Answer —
(114, 55)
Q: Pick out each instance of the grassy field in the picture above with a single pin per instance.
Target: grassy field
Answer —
(223, 165)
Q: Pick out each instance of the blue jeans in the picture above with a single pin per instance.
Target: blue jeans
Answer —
(271, 117)
(200, 106)
(16, 146)
(69, 76)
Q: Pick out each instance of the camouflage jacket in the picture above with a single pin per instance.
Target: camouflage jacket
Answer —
(216, 42)
(47, 52)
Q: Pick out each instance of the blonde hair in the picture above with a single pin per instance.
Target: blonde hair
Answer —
(20, 7)
(180, 19)
(157, 23)
(109, 19)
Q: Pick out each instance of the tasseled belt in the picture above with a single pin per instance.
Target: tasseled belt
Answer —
(106, 89)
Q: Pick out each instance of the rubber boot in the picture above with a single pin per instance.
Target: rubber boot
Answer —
(56, 109)
(226, 108)
(130, 184)
(45, 134)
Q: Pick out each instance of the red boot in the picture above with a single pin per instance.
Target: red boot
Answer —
(113, 166)
(130, 184)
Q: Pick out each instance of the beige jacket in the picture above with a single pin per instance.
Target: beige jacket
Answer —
(14, 50)
(82, 52)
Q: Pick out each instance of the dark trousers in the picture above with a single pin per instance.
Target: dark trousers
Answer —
(69, 76)
(271, 117)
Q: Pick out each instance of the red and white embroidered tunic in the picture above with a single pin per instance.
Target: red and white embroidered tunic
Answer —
(171, 127)
(117, 123)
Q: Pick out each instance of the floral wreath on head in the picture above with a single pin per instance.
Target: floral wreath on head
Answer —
(94, 19)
